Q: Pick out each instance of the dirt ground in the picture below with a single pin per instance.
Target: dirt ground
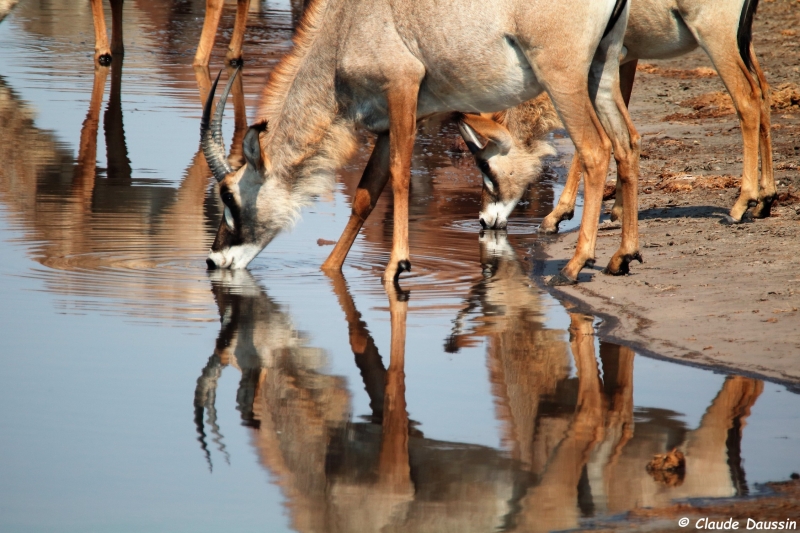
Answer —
(708, 293)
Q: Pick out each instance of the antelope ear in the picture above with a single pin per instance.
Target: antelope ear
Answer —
(492, 131)
(251, 146)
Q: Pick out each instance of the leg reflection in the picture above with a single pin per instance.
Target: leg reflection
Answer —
(713, 450)
(119, 165)
(553, 503)
(368, 360)
(86, 167)
(393, 466)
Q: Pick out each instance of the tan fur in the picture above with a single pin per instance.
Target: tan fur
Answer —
(530, 121)
(334, 80)
(669, 28)
(514, 167)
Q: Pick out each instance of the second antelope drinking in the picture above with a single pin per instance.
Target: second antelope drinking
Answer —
(384, 65)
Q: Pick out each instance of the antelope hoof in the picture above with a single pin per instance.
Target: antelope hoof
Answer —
(561, 279)
(548, 227)
(728, 220)
(764, 207)
(616, 214)
(619, 266)
(104, 60)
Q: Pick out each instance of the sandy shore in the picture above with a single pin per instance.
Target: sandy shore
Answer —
(710, 294)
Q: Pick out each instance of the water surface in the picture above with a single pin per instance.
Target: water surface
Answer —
(141, 393)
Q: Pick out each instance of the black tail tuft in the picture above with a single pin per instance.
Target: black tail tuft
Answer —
(620, 5)
(745, 34)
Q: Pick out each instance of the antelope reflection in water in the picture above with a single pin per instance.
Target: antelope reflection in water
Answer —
(572, 446)
(83, 219)
(589, 454)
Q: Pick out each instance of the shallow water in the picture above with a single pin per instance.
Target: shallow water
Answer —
(141, 393)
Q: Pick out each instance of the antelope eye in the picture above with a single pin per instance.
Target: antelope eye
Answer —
(227, 198)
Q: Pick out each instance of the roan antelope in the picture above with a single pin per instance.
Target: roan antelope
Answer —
(511, 157)
(103, 53)
(661, 29)
(385, 64)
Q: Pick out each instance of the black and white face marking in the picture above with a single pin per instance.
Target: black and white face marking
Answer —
(228, 200)
(257, 207)
(496, 208)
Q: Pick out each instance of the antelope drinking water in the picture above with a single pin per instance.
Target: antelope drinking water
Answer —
(657, 29)
(383, 65)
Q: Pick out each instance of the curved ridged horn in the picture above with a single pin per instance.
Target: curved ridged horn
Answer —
(211, 131)
(470, 137)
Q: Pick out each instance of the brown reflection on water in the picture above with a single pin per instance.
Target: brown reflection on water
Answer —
(101, 231)
(573, 446)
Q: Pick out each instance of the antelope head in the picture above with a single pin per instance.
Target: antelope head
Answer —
(508, 166)
(257, 204)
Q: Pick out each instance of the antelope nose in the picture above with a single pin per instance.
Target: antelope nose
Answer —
(211, 264)
(484, 225)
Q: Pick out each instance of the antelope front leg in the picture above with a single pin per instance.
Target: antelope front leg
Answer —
(234, 55)
(594, 149)
(402, 131)
(565, 209)
(102, 52)
(372, 183)
(207, 36)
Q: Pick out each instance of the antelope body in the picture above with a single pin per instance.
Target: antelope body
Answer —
(385, 64)
(661, 29)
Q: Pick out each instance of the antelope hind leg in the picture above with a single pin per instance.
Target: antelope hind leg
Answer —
(744, 91)
(372, 183)
(626, 141)
(627, 73)
(613, 114)
(767, 192)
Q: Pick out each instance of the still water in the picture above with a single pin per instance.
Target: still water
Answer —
(141, 393)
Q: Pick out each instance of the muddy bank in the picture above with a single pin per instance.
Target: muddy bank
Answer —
(708, 293)
(779, 504)
(711, 294)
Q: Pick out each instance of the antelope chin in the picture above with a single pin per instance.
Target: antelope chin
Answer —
(496, 214)
(232, 258)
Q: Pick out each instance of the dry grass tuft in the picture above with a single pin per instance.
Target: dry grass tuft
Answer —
(785, 97)
(679, 73)
(708, 105)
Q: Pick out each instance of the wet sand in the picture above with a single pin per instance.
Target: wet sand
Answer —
(710, 294)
